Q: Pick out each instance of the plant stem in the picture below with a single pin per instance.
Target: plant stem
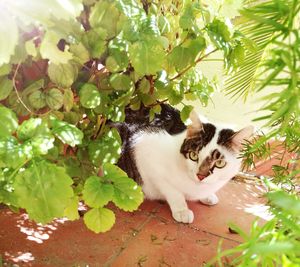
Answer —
(192, 65)
(16, 90)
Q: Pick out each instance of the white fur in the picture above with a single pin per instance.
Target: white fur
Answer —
(169, 176)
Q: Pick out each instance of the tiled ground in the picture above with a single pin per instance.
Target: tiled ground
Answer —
(147, 237)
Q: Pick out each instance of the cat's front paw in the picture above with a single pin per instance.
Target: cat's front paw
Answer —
(184, 216)
(210, 201)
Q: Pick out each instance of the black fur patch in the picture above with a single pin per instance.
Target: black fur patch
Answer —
(196, 143)
(138, 121)
(225, 136)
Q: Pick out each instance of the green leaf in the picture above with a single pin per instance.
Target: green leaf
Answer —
(117, 61)
(89, 96)
(219, 33)
(180, 57)
(164, 25)
(188, 18)
(144, 86)
(30, 48)
(54, 99)
(80, 53)
(71, 210)
(31, 128)
(6, 86)
(120, 81)
(33, 87)
(105, 15)
(127, 194)
(99, 219)
(154, 110)
(106, 149)
(38, 135)
(67, 133)
(37, 99)
(94, 40)
(96, 193)
(5, 69)
(12, 154)
(195, 46)
(147, 56)
(9, 30)
(8, 121)
(185, 112)
(287, 202)
(68, 100)
(63, 75)
(49, 49)
(44, 190)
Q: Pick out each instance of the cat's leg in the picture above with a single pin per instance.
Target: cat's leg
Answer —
(210, 200)
(179, 208)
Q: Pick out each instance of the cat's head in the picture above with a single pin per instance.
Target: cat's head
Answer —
(208, 148)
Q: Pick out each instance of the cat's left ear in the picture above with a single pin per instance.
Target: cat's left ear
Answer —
(239, 137)
(196, 125)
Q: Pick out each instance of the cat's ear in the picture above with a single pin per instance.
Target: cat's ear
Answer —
(239, 137)
(195, 126)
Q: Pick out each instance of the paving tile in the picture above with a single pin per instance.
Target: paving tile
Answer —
(167, 243)
(239, 203)
(63, 243)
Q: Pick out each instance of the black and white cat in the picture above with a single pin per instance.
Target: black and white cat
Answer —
(174, 162)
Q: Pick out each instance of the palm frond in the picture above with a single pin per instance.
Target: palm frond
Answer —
(259, 22)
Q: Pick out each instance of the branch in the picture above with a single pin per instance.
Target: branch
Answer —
(195, 63)
(17, 93)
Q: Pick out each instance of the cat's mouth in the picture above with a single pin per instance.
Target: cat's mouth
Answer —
(201, 176)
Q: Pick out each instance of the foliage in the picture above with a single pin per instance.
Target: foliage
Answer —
(274, 25)
(68, 67)
(274, 244)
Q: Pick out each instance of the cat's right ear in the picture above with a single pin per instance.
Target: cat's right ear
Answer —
(195, 126)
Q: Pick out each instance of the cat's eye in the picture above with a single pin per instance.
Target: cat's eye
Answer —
(193, 156)
(221, 163)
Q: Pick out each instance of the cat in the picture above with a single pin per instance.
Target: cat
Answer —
(175, 162)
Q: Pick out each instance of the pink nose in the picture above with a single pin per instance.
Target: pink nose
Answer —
(201, 177)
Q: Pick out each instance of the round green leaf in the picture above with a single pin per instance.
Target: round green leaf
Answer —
(127, 194)
(120, 81)
(67, 133)
(71, 210)
(44, 190)
(89, 96)
(37, 99)
(185, 112)
(99, 219)
(147, 56)
(32, 127)
(106, 149)
(6, 86)
(144, 86)
(8, 121)
(180, 57)
(68, 99)
(62, 74)
(54, 99)
(96, 193)
(49, 49)
(12, 154)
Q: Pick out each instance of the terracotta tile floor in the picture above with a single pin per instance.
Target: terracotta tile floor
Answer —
(147, 237)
